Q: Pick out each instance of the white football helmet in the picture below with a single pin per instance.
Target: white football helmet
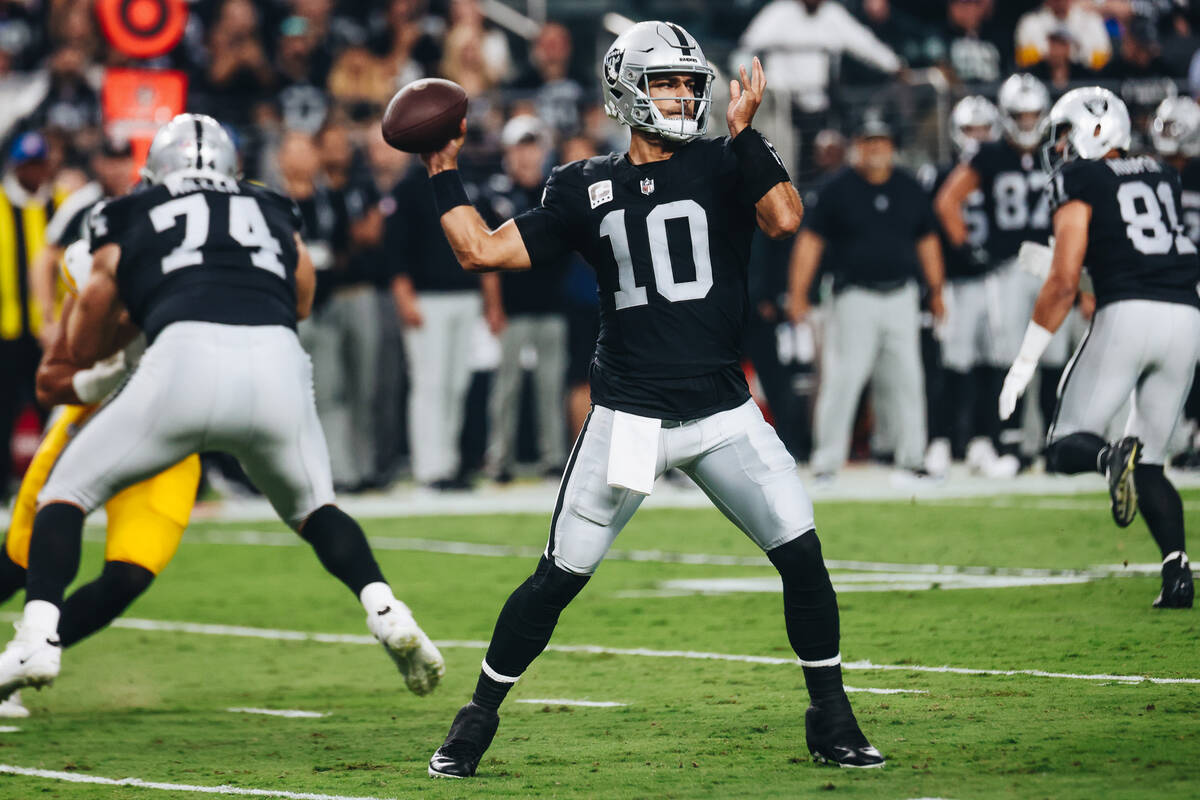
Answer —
(1023, 94)
(1093, 120)
(973, 111)
(1175, 129)
(190, 142)
(646, 49)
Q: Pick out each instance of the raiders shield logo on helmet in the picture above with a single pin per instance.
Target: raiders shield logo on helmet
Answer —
(612, 66)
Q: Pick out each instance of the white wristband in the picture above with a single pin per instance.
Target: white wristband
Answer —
(1036, 340)
(94, 383)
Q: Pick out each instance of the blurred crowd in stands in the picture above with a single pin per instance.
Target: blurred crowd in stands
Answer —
(421, 369)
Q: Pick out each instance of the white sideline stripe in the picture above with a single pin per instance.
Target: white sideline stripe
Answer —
(74, 777)
(873, 690)
(279, 712)
(278, 539)
(585, 703)
(9, 729)
(344, 638)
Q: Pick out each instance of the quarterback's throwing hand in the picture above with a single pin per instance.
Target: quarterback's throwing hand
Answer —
(447, 157)
(745, 97)
(1018, 377)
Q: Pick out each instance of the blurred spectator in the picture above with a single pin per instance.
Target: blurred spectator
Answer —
(239, 75)
(1090, 43)
(494, 58)
(972, 50)
(463, 61)
(62, 99)
(800, 41)
(525, 310)
(1056, 69)
(302, 68)
(915, 43)
(558, 96)
(360, 84)
(439, 304)
(1138, 56)
(22, 35)
(407, 39)
(25, 204)
(880, 223)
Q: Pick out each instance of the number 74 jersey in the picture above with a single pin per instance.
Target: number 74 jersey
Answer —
(1137, 246)
(670, 242)
(206, 249)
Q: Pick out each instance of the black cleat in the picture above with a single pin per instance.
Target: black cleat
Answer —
(1177, 589)
(1120, 459)
(834, 737)
(468, 739)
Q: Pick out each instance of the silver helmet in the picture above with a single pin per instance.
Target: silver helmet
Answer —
(1023, 94)
(646, 49)
(1093, 120)
(1175, 129)
(973, 111)
(190, 142)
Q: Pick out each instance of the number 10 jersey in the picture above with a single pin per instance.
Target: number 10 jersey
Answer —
(1137, 247)
(670, 243)
(204, 249)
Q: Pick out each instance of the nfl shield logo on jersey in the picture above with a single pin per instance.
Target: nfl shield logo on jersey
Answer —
(647, 185)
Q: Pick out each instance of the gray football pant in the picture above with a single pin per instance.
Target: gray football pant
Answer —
(240, 389)
(734, 456)
(439, 363)
(871, 336)
(547, 334)
(343, 338)
(1140, 347)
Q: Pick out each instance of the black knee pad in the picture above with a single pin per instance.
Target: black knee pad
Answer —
(555, 586)
(125, 581)
(800, 562)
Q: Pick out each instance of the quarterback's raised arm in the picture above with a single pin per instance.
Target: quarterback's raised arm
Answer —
(477, 247)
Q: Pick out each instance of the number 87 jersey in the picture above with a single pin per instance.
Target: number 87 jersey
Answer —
(670, 242)
(202, 247)
(1137, 248)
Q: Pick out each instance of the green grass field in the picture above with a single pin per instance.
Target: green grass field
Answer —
(151, 704)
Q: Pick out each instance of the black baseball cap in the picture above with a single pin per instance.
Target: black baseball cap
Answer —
(113, 147)
(873, 125)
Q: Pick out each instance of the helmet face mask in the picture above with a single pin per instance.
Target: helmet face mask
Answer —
(647, 52)
(191, 142)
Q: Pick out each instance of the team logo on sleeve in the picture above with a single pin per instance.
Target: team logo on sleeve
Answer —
(600, 193)
(647, 185)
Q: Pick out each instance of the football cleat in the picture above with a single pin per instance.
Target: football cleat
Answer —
(416, 656)
(1120, 459)
(13, 708)
(32, 658)
(834, 737)
(1177, 589)
(470, 734)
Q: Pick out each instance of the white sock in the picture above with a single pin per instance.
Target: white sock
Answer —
(41, 615)
(376, 597)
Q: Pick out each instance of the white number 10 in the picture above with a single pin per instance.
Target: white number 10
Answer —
(630, 294)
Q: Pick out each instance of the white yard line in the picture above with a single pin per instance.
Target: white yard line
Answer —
(584, 703)
(343, 638)
(75, 777)
(279, 712)
(9, 729)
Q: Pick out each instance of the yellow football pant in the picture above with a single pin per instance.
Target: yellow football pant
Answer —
(145, 521)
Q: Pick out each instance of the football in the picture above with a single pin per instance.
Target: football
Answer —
(424, 115)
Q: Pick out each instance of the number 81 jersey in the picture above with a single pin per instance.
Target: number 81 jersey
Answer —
(670, 242)
(207, 249)
(1137, 248)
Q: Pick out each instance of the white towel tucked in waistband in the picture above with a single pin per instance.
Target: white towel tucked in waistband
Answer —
(633, 452)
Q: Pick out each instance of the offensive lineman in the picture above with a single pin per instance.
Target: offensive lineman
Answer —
(1120, 216)
(213, 271)
(667, 227)
(1017, 208)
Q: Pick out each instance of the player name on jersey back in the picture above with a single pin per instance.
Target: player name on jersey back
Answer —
(1137, 247)
(202, 247)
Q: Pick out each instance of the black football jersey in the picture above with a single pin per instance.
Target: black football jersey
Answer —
(670, 243)
(1015, 198)
(1189, 179)
(201, 249)
(958, 263)
(1137, 248)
